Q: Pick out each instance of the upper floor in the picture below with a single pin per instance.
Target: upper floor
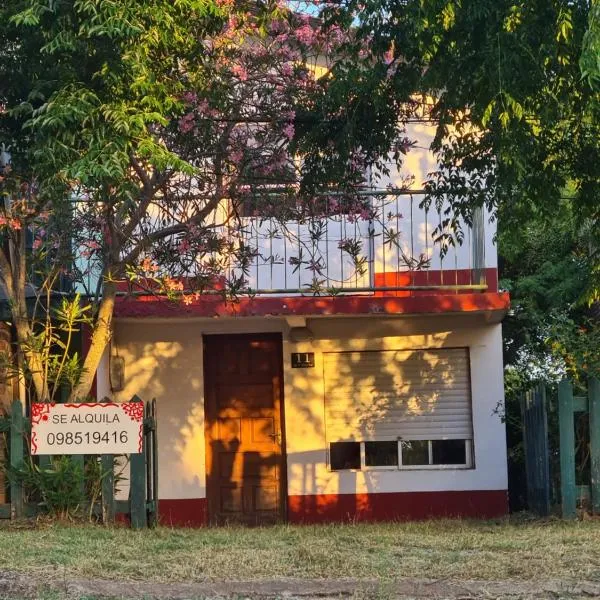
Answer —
(394, 254)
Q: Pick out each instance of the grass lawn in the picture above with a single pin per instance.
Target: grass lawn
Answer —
(439, 549)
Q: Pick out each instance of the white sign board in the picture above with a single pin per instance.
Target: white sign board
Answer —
(87, 428)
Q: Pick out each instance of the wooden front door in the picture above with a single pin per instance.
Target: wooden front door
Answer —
(244, 436)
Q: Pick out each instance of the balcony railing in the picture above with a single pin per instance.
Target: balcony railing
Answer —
(395, 248)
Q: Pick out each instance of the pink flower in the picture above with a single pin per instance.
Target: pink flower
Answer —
(287, 69)
(305, 34)
(236, 156)
(240, 72)
(202, 106)
(289, 131)
(36, 244)
(388, 56)
(186, 123)
(232, 23)
(278, 26)
(190, 97)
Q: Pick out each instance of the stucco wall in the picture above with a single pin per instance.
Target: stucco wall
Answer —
(164, 360)
(306, 442)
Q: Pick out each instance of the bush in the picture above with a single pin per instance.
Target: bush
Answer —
(63, 488)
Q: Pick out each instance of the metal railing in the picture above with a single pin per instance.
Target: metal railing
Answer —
(395, 246)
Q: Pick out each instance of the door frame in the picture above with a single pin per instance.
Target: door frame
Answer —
(283, 480)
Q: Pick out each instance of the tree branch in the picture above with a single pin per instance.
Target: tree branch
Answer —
(160, 234)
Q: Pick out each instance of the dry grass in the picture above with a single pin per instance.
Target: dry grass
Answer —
(440, 549)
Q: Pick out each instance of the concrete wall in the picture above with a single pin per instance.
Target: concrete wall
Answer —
(306, 443)
(164, 360)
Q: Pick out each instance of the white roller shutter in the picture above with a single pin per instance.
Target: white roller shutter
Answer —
(412, 394)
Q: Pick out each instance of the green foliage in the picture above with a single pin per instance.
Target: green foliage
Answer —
(98, 78)
(87, 91)
(590, 56)
(59, 488)
(55, 338)
(550, 331)
(63, 488)
(517, 124)
(518, 131)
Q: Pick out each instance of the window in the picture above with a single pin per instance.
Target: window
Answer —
(448, 452)
(344, 455)
(381, 454)
(436, 453)
(402, 409)
(415, 452)
(404, 454)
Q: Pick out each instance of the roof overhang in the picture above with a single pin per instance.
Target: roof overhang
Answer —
(493, 306)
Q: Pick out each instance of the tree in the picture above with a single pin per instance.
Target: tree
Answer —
(516, 122)
(590, 56)
(518, 127)
(129, 124)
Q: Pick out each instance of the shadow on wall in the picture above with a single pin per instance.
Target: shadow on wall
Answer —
(171, 370)
(165, 362)
(364, 385)
(361, 393)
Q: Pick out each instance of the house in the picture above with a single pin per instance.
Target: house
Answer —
(378, 399)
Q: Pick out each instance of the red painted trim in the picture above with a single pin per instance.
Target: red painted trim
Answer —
(215, 306)
(123, 519)
(401, 506)
(189, 512)
(432, 277)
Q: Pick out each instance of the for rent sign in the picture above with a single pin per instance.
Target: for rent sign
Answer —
(87, 428)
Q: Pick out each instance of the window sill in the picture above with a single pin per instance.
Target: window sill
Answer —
(405, 468)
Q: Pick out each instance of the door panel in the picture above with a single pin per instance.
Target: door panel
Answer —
(244, 437)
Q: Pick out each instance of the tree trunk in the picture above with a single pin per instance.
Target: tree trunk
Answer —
(101, 334)
(13, 280)
(33, 359)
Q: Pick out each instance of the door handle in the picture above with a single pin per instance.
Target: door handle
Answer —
(276, 437)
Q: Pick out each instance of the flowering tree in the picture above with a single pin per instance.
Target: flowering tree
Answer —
(140, 134)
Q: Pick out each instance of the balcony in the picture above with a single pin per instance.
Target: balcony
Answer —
(395, 258)
(398, 249)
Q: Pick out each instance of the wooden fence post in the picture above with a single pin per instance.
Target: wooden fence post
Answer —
(137, 490)
(108, 488)
(155, 464)
(566, 422)
(594, 415)
(107, 465)
(535, 439)
(16, 457)
(150, 452)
